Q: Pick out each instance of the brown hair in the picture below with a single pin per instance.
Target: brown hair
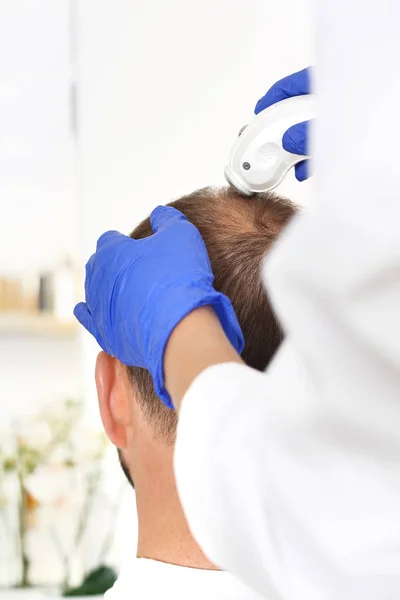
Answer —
(237, 232)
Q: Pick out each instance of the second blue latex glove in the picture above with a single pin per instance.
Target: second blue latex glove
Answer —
(137, 291)
(296, 138)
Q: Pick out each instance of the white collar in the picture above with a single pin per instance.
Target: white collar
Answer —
(145, 579)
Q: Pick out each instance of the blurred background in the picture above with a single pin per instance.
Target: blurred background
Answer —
(107, 108)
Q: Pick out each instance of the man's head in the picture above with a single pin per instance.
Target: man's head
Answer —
(237, 232)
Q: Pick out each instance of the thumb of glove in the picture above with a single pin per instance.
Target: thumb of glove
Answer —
(296, 138)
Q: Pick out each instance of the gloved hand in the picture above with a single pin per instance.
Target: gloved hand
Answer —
(137, 291)
(296, 138)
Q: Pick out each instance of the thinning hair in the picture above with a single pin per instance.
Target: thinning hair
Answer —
(237, 232)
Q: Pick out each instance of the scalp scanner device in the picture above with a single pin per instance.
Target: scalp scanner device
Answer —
(258, 162)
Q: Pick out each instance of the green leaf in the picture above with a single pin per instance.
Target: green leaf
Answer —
(96, 583)
(9, 464)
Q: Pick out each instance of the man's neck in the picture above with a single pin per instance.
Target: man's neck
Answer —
(163, 533)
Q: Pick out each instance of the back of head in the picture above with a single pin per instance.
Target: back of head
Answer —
(237, 232)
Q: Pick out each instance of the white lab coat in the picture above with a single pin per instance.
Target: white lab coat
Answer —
(291, 479)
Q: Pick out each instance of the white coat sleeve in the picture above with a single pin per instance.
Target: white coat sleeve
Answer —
(291, 479)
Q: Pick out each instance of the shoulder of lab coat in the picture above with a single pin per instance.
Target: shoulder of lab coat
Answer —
(291, 479)
(295, 495)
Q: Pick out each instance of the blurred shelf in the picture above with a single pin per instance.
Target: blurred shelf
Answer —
(35, 324)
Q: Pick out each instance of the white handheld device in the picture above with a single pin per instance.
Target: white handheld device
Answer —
(258, 162)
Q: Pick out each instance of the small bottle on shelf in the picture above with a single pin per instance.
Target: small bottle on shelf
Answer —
(46, 293)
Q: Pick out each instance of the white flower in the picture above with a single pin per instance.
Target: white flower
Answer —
(53, 486)
(36, 435)
(8, 443)
(59, 457)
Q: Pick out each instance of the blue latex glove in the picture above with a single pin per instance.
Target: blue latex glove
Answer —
(137, 291)
(296, 138)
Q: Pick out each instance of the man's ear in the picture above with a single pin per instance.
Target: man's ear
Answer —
(113, 399)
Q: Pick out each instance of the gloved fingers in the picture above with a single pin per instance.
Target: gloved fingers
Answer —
(108, 237)
(296, 138)
(296, 84)
(84, 317)
(82, 313)
(88, 274)
(163, 216)
(302, 170)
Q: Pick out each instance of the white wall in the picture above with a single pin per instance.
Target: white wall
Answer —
(164, 87)
(38, 201)
(38, 224)
(36, 371)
